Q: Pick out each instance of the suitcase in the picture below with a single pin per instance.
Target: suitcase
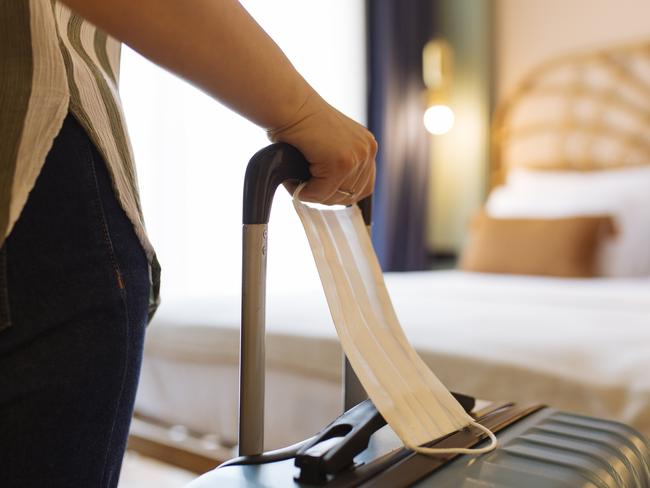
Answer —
(538, 446)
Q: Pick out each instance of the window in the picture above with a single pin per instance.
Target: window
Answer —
(191, 152)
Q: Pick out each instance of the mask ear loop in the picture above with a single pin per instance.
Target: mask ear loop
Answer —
(430, 451)
(296, 192)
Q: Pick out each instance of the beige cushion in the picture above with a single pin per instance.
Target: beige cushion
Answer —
(566, 247)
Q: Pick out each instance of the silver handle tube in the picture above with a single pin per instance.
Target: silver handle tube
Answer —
(251, 348)
(267, 169)
(353, 391)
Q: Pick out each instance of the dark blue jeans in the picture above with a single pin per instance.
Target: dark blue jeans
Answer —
(73, 305)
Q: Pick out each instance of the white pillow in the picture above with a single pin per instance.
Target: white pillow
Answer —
(612, 180)
(624, 194)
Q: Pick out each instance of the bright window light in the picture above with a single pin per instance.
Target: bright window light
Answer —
(191, 151)
(439, 119)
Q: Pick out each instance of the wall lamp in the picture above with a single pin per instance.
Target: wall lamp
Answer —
(437, 74)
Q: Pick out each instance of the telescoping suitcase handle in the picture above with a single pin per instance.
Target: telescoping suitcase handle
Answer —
(267, 169)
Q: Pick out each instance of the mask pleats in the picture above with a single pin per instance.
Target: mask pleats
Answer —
(411, 398)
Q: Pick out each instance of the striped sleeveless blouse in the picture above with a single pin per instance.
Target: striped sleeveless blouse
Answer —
(53, 62)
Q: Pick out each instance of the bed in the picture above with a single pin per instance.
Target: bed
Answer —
(577, 344)
(582, 345)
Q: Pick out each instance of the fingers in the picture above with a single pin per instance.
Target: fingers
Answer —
(347, 182)
(353, 190)
(367, 187)
(335, 190)
(326, 179)
(366, 183)
(341, 154)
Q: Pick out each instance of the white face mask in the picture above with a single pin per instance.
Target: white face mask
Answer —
(410, 397)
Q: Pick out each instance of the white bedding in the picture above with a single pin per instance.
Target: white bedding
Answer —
(581, 345)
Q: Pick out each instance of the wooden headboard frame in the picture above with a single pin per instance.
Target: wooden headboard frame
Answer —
(623, 87)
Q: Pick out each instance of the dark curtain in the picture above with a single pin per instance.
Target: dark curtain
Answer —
(397, 31)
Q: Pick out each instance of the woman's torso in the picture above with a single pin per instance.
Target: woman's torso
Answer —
(53, 62)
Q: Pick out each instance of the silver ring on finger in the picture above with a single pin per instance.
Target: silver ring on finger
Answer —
(349, 194)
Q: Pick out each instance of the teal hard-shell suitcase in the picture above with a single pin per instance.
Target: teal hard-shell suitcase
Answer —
(545, 449)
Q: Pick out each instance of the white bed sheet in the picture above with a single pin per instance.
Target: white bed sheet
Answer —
(581, 345)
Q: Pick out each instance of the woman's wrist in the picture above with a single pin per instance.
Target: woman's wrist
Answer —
(307, 106)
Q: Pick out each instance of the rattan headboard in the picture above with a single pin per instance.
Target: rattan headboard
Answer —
(582, 112)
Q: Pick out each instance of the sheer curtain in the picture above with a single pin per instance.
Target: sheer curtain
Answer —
(191, 151)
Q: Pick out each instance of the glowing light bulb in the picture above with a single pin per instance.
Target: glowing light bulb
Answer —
(439, 119)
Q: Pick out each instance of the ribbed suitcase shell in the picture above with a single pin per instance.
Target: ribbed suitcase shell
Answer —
(555, 449)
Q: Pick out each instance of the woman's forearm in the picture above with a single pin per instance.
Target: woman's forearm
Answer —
(217, 46)
(214, 44)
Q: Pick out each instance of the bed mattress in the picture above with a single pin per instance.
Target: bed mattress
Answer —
(581, 345)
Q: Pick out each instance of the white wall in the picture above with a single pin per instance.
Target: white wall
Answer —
(528, 32)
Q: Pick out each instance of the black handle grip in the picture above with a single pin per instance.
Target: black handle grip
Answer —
(366, 209)
(268, 169)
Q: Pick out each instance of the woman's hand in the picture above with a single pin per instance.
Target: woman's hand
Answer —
(341, 153)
